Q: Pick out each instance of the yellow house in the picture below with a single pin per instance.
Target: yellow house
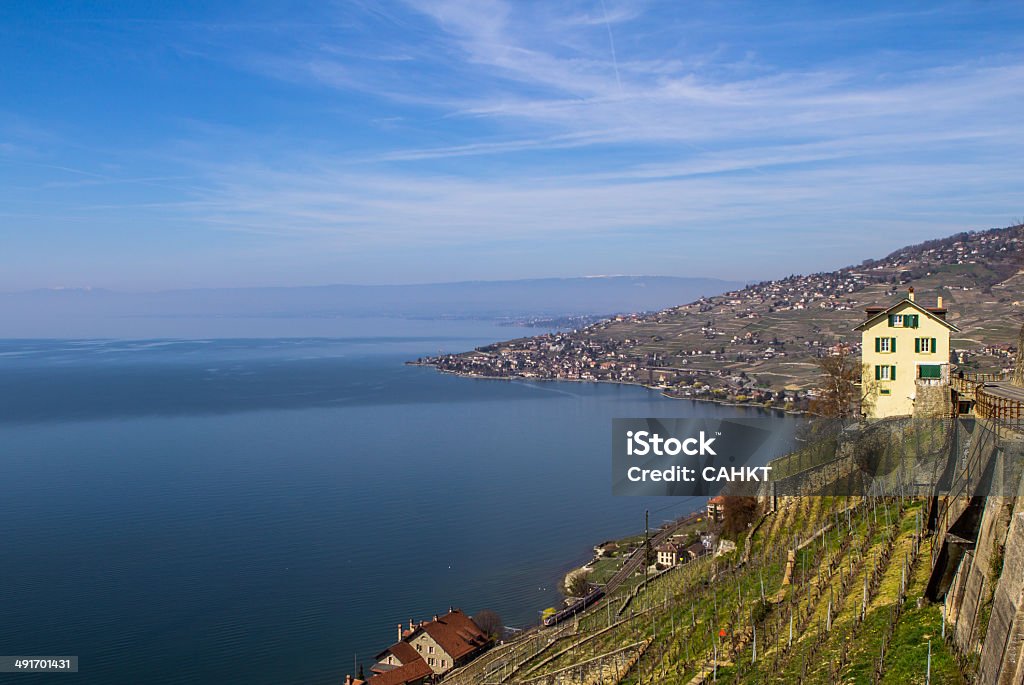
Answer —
(905, 356)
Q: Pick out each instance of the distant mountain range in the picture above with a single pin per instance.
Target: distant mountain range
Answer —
(221, 312)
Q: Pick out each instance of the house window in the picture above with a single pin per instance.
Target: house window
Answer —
(929, 371)
(885, 391)
(904, 320)
(444, 663)
(419, 647)
(885, 373)
(885, 344)
(430, 649)
(926, 345)
(430, 661)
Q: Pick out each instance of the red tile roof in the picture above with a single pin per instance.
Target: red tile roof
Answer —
(412, 672)
(402, 650)
(455, 633)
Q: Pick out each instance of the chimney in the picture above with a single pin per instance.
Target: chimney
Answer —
(399, 632)
(938, 302)
(910, 294)
(412, 626)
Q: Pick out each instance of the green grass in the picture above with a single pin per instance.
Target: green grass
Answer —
(906, 660)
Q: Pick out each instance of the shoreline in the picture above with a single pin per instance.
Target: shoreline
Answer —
(690, 519)
(661, 390)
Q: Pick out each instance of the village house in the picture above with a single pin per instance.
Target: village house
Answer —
(716, 508)
(670, 553)
(429, 649)
(905, 354)
(696, 550)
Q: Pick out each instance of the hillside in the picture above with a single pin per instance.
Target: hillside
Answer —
(759, 343)
(821, 589)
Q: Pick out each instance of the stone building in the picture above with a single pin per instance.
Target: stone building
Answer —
(429, 649)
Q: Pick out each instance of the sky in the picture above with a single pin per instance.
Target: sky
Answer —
(152, 145)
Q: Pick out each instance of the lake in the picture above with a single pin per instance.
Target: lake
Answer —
(267, 510)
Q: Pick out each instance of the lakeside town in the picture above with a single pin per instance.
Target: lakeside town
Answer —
(759, 345)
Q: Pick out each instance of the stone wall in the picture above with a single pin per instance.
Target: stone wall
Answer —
(985, 602)
(1001, 655)
(932, 401)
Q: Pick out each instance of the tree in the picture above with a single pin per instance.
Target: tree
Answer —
(577, 583)
(490, 623)
(739, 513)
(840, 374)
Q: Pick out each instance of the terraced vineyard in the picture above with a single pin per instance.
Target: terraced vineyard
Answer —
(824, 590)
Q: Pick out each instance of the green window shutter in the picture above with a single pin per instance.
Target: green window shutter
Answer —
(878, 373)
(934, 348)
(890, 320)
(917, 320)
(917, 345)
(892, 344)
(878, 344)
(892, 373)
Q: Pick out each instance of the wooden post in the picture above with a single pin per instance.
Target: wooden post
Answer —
(928, 673)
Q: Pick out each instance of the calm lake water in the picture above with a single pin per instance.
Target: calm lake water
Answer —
(260, 511)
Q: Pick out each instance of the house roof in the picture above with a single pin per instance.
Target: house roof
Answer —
(876, 313)
(455, 633)
(411, 672)
(403, 651)
(669, 547)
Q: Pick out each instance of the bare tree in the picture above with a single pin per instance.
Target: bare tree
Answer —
(840, 374)
(577, 583)
(490, 623)
(739, 513)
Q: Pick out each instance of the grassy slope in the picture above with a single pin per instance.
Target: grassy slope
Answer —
(682, 613)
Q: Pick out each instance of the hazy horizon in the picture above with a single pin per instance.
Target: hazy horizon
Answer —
(395, 284)
(337, 309)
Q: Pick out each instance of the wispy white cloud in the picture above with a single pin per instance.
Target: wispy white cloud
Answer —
(678, 145)
(540, 125)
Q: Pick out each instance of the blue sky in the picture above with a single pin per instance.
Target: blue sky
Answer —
(150, 145)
